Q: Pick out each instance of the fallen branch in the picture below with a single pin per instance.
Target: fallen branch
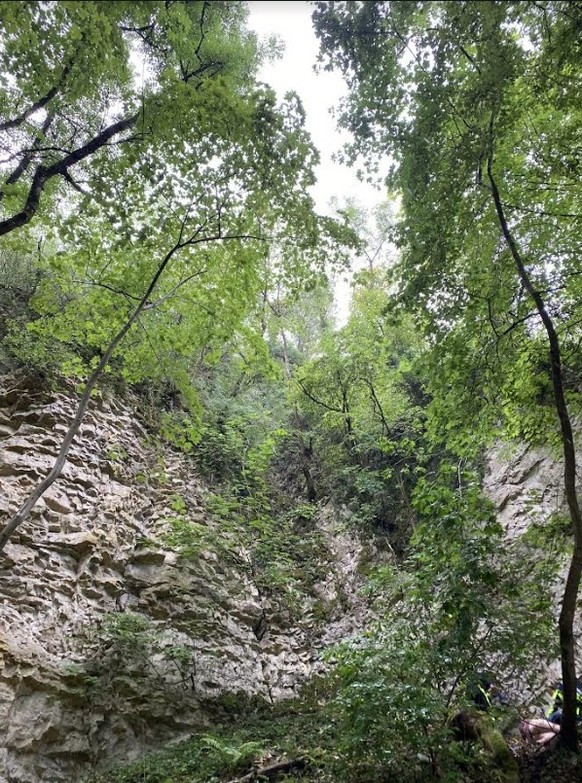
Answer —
(271, 770)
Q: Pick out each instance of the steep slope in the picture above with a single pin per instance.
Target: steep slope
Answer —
(111, 643)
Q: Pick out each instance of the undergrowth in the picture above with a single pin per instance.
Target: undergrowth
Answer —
(302, 731)
(261, 738)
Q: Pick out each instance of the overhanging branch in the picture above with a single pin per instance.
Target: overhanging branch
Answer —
(39, 104)
(43, 174)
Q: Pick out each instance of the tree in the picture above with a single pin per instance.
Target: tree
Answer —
(443, 613)
(95, 80)
(363, 412)
(156, 190)
(295, 323)
(477, 106)
(375, 229)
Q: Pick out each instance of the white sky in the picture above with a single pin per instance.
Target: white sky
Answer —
(291, 21)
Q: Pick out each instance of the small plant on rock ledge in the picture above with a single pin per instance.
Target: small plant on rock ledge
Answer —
(134, 660)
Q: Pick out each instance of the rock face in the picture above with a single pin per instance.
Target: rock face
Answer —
(110, 642)
(526, 487)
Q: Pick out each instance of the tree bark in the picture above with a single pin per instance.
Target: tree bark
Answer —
(568, 732)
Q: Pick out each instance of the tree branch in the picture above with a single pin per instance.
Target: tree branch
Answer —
(170, 294)
(469, 58)
(113, 290)
(205, 7)
(316, 401)
(515, 324)
(377, 404)
(25, 509)
(543, 213)
(27, 155)
(75, 185)
(43, 174)
(40, 103)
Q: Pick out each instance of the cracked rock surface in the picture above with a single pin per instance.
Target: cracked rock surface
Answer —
(526, 486)
(111, 643)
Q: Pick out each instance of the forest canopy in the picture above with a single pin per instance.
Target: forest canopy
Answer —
(158, 236)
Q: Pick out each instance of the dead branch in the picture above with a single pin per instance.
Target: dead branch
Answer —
(272, 770)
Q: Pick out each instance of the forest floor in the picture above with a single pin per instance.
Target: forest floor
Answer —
(292, 744)
(546, 765)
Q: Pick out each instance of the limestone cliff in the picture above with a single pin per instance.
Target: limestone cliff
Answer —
(110, 642)
(526, 487)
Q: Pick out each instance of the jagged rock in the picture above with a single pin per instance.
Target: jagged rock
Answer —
(78, 686)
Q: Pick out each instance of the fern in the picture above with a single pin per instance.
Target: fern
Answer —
(231, 757)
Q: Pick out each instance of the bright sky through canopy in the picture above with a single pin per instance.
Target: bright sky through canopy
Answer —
(290, 20)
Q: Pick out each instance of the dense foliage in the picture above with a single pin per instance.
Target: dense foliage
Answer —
(176, 206)
(477, 107)
(158, 235)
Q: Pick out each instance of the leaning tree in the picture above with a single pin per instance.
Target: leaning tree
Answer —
(151, 175)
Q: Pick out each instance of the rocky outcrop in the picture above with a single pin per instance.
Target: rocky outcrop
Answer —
(526, 486)
(113, 639)
(111, 642)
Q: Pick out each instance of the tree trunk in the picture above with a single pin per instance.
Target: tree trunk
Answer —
(306, 448)
(568, 731)
(307, 454)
